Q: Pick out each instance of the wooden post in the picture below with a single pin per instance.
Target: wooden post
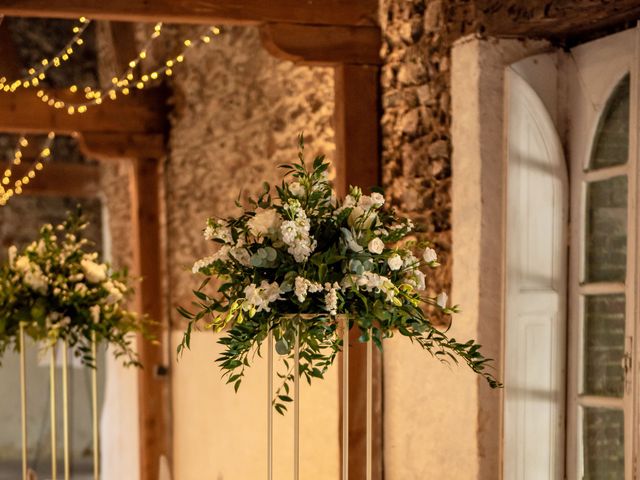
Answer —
(153, 384)
(358, 163)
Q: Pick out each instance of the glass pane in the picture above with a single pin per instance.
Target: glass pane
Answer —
(603, 443)
(604, 320)
(611, 145)
(606, 231)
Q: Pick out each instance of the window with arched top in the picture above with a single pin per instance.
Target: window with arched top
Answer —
(571, 399)
(603, 282)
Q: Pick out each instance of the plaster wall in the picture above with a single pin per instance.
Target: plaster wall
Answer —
(477, 88)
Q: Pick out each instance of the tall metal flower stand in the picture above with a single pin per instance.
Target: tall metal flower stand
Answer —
(53, 409)
(344, 329)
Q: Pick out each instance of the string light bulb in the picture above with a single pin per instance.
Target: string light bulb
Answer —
(36, 74)
(7, 192)
(127, 81)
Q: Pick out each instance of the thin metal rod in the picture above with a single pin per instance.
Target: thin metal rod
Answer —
(345, 398)
(296, 404)
(270, 405)
(94, 409)
(52, 400)
(65, 409)
(23, 402)
(369, 405)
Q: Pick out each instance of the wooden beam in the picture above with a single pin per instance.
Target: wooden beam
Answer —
(140, 112)
(10, 63)
(566, 21)
(110, 146)
(358, 163)
(314, 12)
(59, 179)
(153, 383)
(322, 45)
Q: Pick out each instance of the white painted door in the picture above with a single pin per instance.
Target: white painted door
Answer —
(535, 320)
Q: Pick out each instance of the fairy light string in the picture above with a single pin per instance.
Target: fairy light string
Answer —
(17, 160)
(6, 191)
(127, 83)
(35, 75)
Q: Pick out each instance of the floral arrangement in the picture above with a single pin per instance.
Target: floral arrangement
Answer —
(299, 259)
(61, 291)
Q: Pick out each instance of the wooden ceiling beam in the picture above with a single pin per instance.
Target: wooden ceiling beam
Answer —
(59, 179)
(312, 12)
(139, 113)
(110, 146)
(322, 45)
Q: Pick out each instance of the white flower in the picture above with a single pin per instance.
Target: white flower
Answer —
(95, 313)
(295, 233)
(376, 246)
(430, 255)
(222, 254)
(241, 255)
(395, 262)
(361, 217)
(13, 251)
(22, 264)
(258, 298)
(410, 261)
(214, 230)
(35, 279)
(81, 289)
(296, 189)
(303, 286)
(378, 199)
(94, 272)
(265, 222)
(416, 279)
(331, 299)
(289, 231)
(372, 282)
(115, 295)
(442, 299)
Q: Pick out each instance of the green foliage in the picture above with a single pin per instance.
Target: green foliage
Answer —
(298, 259)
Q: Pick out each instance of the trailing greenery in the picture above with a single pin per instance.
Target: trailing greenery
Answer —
(299, 258)
(61, 291)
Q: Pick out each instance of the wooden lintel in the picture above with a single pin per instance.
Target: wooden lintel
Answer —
(139, 112)
(356, 120)
(318, 12)
(59, 179)
(116, 146)
(322, 45)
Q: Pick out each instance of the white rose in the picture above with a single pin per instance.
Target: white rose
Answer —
(377, 199)
(94, 272)
(296, 189)
(442, 299)
(430, 255)
(265, 222)
(376, 246)
(395, 262)
(22, 264)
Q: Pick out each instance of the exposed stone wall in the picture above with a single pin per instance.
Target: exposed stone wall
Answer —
(416, 121)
